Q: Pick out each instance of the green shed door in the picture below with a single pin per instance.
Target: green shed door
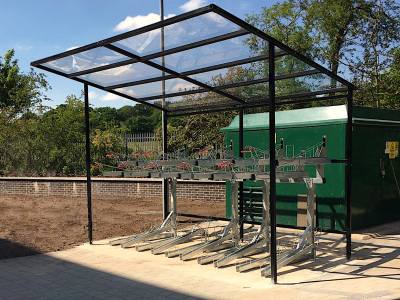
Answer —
(366, 203)
(390, 188)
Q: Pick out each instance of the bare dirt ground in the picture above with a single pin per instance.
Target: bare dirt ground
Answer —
(31, 225)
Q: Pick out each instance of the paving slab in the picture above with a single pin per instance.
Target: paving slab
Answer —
(101, 271)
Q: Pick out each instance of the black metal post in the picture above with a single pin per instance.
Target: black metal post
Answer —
(165, 190)
(88, 178)
(241, 194)
(272, 157)
(349, 146)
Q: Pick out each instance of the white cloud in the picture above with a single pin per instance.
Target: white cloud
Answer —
(93, 95)
(110, 97)
(127, 91)
(131, 23)
(182, 87)
(193, 4)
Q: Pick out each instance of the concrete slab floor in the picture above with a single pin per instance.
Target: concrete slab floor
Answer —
(100, 271)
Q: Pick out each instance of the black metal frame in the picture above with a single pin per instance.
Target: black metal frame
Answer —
(170, 74)
(273, 163)
(88, 167)
(237, 103)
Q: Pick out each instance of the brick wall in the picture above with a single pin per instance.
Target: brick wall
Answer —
(76, 187)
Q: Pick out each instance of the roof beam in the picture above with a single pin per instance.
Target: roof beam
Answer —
(297, 101)
(255, 104)
(232, 85)
(139, 82)
(197, 71)
(231, 64)
(167, 70)
(310, 94)
(206, 109)
(264, 80)
(183, 93)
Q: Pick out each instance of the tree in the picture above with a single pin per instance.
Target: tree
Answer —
(353, 35)
(19, 92)
(20, 97)
(344, 28)
(332, 23)
(105, 117)
(64, 128)
(140, 118)
(379, 36)
(285, 22)
(390, 79)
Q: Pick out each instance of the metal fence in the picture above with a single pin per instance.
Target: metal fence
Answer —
(142, 141)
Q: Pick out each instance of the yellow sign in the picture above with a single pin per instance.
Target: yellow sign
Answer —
(393, 149)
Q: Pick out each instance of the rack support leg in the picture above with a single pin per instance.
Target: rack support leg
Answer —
(310, 211)
(173, 182)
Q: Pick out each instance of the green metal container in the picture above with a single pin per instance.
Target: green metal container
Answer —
(375, 178)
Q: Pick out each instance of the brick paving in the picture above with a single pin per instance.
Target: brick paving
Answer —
(100, 271)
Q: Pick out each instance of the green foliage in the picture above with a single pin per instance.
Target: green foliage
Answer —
(54, 141)
(105, 117)
(19, 92)
(379, 35)
(355, 35)
(140, 118)
(104, 142)
(283, 21)
(332, 23)
(95, 171)
(65, 136)
(358, 35)
(198, 131)
(390, 79)
(65, 170)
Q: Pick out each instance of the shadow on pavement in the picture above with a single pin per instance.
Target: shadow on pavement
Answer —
(9, 249)
(47, 277)
(374, 255)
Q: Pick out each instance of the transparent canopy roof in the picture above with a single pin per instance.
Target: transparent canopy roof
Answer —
(203, 60)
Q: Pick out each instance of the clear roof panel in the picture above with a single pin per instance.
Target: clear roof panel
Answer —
(305, 84)
(250, 92)
(234, 74)
(208, 55)
(198, 101)
(212, 59)
(86, 60)
(289, 64)
(191, 30)
(123, 74)
(155, 88)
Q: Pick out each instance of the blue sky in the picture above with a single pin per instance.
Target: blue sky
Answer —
(40, 28)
